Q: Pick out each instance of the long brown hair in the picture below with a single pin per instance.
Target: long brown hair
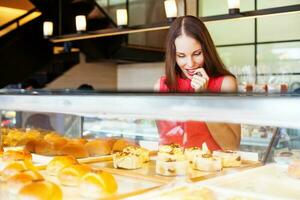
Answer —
(195, 28)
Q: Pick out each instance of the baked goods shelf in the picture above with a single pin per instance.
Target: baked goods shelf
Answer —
(127, 186)
(147, 172)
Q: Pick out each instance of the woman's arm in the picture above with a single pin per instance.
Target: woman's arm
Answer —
(227, 136)
(157, 86)
(229, 84)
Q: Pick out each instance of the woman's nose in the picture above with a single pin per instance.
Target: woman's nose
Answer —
(190, 62)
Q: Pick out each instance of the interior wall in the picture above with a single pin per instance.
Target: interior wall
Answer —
(101, 75)
(139, 76)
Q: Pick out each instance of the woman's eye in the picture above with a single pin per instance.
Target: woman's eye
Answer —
(180, 56)
(198, 53)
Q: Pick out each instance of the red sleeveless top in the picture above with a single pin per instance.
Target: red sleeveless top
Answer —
(190, 133)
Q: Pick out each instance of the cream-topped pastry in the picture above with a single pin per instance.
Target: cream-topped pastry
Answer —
(229, 158)
(127, 160)
(207, 162)
(170, 153)
(171, 161)
(141, 152)
(191, 152)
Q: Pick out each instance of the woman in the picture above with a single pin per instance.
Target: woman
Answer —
(193, 65)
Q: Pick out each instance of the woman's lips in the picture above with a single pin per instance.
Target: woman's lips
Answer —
(191, 72)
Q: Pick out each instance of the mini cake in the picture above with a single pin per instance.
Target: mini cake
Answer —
(127, 160)
(191, 152)
(229, 158)
(171, 161)
(142, 152)
(171, 152)
(207, 162)
(97, 184)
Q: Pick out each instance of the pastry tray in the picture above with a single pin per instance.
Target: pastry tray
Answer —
(147, 172)
(127, 186)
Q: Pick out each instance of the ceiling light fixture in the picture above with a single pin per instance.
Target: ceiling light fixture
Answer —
(80, 23)
(122, 18)
(233, 6)
(47, 29)
(170, 9)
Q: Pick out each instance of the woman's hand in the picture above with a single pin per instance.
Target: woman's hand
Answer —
(200, 80)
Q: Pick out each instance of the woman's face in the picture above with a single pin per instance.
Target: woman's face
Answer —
(189, 55)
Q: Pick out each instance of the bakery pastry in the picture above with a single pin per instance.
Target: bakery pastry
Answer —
(127, 160)
(81, 141)
(141, 152)
(30, 146)
(16, 182)
(49, 148)
(171, 161)
(172, 168)
(98, 147)
(13, 168)
(229, 158)
(71, 175)
(294, 169)
(191, 152)
(98, 184)
(40, 190)
(58, 163)
(170, 153)
(12, 155)
(120, 144)
(207, 162)
(76, 150)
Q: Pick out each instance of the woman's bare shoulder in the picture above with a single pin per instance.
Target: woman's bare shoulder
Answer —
(229, 84)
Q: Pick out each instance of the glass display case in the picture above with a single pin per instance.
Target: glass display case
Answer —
(269, 128)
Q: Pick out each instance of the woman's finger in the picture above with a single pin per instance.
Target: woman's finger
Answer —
(201, 71)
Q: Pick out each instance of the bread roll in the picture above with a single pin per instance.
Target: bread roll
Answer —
(76, 150)
(41, 190)
(71, 175)
(16, 182)
(98, 184)
(120, 144)
(81, 141)
(294, 169)
(98, 147)
(30, 146)
(12, 169)
(12, 155)
(58, 163)
(43, 147)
